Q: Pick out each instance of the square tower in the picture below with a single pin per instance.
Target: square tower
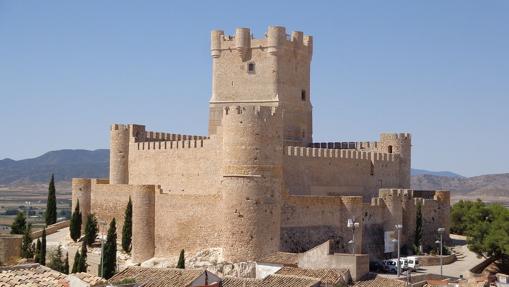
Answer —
(272, 71)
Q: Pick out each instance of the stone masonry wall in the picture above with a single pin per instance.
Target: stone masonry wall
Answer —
(179, 167)
(189, 222)
(320, 171)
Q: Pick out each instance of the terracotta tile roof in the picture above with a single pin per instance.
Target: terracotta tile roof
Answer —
(373, 280)
(241, 282)
(327, 276)
(31, 275)
(283, 258)
(276, 280)
(272, 281)
(158, 277)
(90, 279)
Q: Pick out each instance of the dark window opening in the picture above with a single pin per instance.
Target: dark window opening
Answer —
(389, 149)
(303, 95)
(372, 169)
(251, 67)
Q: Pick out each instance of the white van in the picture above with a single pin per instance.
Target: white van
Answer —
(412, 262)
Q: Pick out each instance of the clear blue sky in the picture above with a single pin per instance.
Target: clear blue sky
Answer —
(438, 69)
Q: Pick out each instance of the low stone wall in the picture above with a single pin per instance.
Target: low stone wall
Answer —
(10, 248)
(10, 244)
(435, 260)
(50, 229)
(479, 268)
(322, 257)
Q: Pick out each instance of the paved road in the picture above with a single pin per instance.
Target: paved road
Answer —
(466, 259)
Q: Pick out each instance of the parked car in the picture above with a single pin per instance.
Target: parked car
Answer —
(391, 265)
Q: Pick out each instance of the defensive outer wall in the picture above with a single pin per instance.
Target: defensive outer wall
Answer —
(258, 183)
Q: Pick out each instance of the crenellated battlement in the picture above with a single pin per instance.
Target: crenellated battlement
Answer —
(117, 127)
(137, 133)
(182, 143)
(393, 136)
(346, 145)
(395, 192)
(275, 40)
(262, 112)
(339, 153)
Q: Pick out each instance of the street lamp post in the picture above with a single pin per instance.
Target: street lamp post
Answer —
(352, 224)
(441, 231)
(398, 229)
(102, 224)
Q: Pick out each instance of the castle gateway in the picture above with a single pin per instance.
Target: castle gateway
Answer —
(257, 183)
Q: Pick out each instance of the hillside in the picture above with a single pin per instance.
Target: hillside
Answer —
(65, 164)
(484, 186)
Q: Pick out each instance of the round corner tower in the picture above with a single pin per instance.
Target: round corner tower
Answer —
(400, 144)
(119, 154)
(251, 181)
(143, 244)
(81, 192)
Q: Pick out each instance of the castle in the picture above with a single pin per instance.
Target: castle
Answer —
(257, 183)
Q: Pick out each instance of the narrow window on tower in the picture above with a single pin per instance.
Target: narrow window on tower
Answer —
(389, 149)
(251, 68)
(303, 95)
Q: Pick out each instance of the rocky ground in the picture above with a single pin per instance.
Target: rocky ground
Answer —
(209, 259)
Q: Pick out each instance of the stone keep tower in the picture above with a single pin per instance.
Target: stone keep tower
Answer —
(251, 181)
(400, 144)
(272, 71)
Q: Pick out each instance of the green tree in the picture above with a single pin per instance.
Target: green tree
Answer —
(76, 262)
(418, 227)
(182, 260)
(56, 263)
(127, 229)
(19, 225)
(82, 263)
(51, 205)
(485, 225)
(37, 256)
(75, 224)
(42, 260)
(110, 251)
(26, 243)
(91, 229)
(66, 263)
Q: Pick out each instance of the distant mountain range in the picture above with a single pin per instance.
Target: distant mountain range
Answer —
(66, 164)
(416, 172)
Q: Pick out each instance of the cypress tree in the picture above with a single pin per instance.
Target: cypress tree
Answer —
(127, 229)
(38, 251)
(20, 224)
(42, 260)
(76, 262)
(51, 205)
(91, 229)
(82, 264)
(110, 251)
(75, 224)
(66, 263)
(26, 244)
(182, 260)
(56, 262)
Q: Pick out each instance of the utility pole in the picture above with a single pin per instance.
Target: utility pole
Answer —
(398, 229)
(441, 231)
(102, 224)
(352, 224)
